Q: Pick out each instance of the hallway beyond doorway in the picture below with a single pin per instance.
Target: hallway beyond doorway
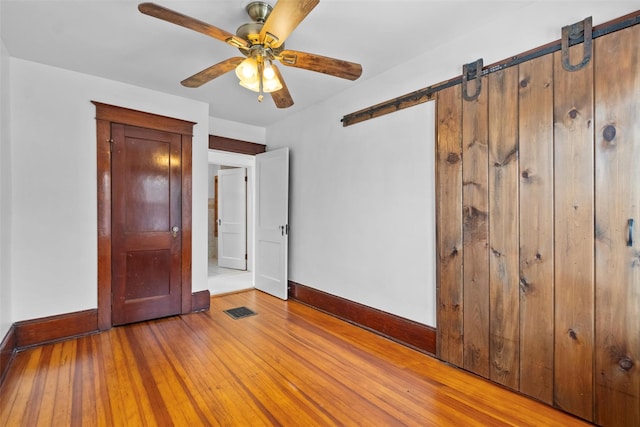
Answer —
(224, 280)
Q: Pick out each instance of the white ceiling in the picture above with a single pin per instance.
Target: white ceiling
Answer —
(111, 39)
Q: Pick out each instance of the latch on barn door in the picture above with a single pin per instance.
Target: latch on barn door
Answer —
(572, 34)
(470, 71)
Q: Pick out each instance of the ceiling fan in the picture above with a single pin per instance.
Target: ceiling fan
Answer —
(261, 42)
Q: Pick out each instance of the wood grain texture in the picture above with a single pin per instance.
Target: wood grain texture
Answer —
(617, 146)
(7, 351)
(450, 291)
(187, 221)
(53, 328)
(235, 145)
(113, 113)
(475, 214)
(536, 227)
(288, 365)
(185, 21)
(201, 300)
(405, 331)
(283, 19)
(321, 64)
(106, 115)
(213, 72)
(103, 159)
(574, 241)
(281, 98)
(147, 258)
(504, 309)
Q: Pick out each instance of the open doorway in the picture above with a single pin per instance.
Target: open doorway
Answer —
(222, 277)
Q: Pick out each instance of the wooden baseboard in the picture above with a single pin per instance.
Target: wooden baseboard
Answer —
(30, 333)
(55, 328)
(405, 331)
(7, 351)
(200, 301)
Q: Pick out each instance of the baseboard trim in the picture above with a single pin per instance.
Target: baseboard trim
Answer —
(34, 332)
(200, 301)
(31, 333)
(408, 332)
(7, 351)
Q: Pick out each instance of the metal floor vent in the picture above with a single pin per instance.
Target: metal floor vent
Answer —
(240, 312)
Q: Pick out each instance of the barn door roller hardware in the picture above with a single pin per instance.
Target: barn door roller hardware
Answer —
(586, 34)
(574, 33)
(470, 71)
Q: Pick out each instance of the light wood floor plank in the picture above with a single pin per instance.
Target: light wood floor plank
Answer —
(289, 365)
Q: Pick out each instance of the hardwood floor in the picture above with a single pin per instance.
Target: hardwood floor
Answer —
(288, 365)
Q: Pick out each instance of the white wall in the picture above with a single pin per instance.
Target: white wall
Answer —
(362, 203)
(53, 132)
(5, 194)
(235, 130)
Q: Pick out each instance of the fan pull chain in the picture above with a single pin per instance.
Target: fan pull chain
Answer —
(260, 76)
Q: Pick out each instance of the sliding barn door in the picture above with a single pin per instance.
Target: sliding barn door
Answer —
(617, 242)
(574, 266)
(538, 187)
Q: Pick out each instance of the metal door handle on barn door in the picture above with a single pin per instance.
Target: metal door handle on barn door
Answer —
(175, 231)
(630, 241)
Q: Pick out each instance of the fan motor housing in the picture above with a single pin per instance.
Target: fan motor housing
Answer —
(250, 31)
(259, 10)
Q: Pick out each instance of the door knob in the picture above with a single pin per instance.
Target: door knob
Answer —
(175, 231)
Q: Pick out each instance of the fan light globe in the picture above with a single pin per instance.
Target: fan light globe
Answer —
(247, 72)
(268, 72)
(247, 69)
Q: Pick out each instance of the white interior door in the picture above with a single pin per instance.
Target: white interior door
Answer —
(272, 222)
(232, 218)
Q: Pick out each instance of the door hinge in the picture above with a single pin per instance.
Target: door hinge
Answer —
(110, 141)
(246, 257)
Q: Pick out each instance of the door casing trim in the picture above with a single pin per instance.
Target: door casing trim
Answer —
(105, 115)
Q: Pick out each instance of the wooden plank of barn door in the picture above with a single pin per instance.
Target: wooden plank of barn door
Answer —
(535, 105)
(449, 225)
(574, 240)
(503, 228)
(617, 126)
(475, 211)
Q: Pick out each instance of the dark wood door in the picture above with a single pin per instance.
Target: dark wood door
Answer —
(146, 223)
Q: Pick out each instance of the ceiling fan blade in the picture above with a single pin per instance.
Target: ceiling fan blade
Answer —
(321, 64)
(212, 72)
(281, 98)
(283, 19)
(177, 18)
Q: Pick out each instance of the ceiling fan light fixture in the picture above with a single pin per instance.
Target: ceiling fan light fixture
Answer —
(248, 69)
(260, 41)
(249, 74)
